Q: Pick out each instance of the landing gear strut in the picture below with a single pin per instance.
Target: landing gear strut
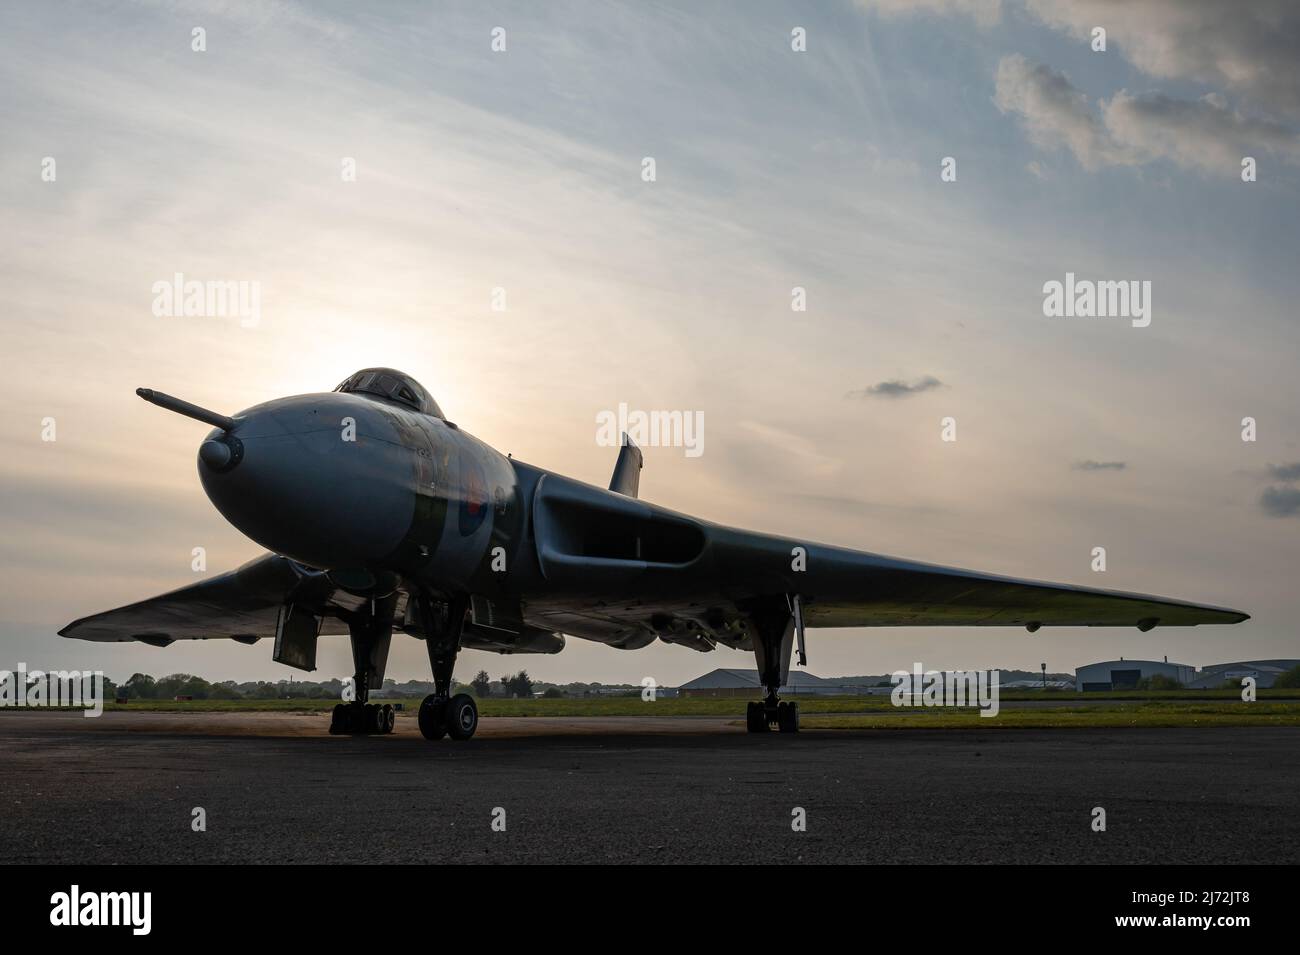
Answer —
(371, 631)
(442, 714)
(775, 626)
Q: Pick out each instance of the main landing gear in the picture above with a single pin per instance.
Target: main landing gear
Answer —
(371, 631)
(761, 715)
(776, 626)
(363, 718)
(442, 714)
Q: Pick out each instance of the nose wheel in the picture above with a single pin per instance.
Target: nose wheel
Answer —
(457, 717)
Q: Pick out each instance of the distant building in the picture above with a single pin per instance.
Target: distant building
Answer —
(745, 683)
(1125, 674)
(1264, 672)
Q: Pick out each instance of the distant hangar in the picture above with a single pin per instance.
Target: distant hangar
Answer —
(1264, 672)
(1124, 674)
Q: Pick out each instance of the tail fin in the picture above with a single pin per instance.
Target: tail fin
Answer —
(627, 470)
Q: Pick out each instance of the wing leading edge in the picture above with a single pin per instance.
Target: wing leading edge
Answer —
(242, 604)
(847, 588)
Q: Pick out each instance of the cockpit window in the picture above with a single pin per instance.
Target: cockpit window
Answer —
(392, 385)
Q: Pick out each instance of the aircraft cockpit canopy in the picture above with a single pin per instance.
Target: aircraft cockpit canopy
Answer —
(392, 385)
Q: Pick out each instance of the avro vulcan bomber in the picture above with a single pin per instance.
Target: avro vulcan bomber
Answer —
(381, 515)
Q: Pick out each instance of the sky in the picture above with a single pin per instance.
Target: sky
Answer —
(774, 168)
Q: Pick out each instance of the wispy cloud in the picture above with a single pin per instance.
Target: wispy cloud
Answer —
(1100, 465)
(1054, 112)
(984, 12)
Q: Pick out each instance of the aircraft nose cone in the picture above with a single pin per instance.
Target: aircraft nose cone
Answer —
(322, 479)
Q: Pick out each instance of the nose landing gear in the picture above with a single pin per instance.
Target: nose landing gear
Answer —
(457, 717)
(462, 716)
(442, 714)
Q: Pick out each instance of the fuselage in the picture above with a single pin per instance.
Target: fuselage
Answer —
(383, 497)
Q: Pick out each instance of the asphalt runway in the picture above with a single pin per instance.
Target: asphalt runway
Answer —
(276, 788)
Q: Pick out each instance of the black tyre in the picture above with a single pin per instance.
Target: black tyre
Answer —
(433, 725)
(462, 716)
(389, 718)
(787, 717)
(337, 718)
(755, 718)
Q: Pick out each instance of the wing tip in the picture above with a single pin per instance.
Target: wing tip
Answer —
(1225, 616)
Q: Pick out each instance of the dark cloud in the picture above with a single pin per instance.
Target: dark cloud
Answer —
(897, 388)
(1203, 134)
(1251, 50)
(1285, 472)
(1280, 501)
(1100, 465)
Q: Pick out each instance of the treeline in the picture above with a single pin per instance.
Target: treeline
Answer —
(142, 686)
